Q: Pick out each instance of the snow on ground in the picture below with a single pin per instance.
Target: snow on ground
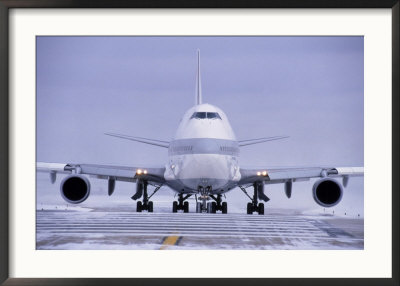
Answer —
(131, 230)
(64, 207)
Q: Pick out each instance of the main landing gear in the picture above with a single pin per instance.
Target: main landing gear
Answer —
(254, 206)
(181, 204)
(146, 204)
(217, 205)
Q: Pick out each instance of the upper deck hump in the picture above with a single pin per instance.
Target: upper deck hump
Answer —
(205, 121)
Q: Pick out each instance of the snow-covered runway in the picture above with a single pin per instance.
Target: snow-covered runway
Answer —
(131, 230)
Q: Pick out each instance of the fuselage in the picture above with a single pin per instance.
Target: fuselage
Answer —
(204, 154)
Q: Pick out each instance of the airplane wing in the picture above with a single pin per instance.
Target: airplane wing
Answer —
(154, 142)
(119, 173)
(326, 191)
(293, 174)
(260, 140)
(75, 188)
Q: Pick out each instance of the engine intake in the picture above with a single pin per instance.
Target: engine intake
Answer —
(327, 192)
(75, 189)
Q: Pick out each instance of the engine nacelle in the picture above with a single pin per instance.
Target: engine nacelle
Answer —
(327, 192)
(75, 189)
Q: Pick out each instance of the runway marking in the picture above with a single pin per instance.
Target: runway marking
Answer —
(170, 240)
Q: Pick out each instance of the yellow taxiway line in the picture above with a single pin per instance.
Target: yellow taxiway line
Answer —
(169, 240)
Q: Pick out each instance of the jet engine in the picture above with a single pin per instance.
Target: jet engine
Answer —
(75, 189)
(327, 192)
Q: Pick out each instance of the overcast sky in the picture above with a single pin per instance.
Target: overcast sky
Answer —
(309, 88)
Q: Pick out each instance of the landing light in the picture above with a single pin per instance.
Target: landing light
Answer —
(140, 172)
(264, 173)
(258, 173)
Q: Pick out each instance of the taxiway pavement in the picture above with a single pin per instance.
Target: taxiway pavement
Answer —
(97, 229)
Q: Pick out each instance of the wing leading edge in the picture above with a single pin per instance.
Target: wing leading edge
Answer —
(155, 142)
(260, 140)
(282, 175)
(120, 173)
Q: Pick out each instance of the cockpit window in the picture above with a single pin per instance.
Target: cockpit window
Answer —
(213, 115)
(203, 115)
(199, 115)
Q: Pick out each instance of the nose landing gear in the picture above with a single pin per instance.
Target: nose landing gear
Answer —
(210, 207)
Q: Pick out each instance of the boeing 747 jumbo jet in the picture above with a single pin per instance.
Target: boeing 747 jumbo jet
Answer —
(203, 160)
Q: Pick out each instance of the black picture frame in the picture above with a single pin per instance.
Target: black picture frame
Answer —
(5, 7)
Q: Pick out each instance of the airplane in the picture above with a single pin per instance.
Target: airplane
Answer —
(203, 160)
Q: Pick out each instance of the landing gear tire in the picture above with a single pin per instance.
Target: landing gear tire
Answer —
(150, 207)
(249, 208)
(198, 207)
(139, 207)
(175, 207)
(213, 207)
(186, 207)
(260, 208)
(224, 208)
